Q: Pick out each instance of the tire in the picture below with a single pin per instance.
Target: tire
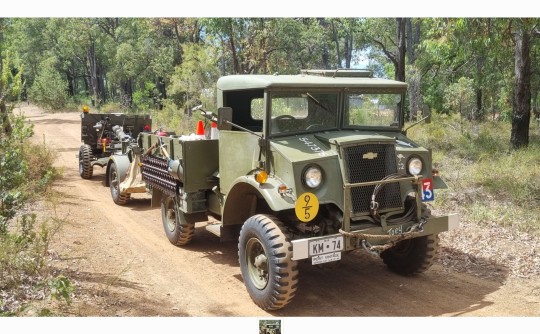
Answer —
(178, 225)
(265, 256)
(412, 256)
(114, 184)
(86, 170)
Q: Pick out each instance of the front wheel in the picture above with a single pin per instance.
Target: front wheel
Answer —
(412, 256)
(265, 256)
(114, 183)
(178, 225)
(86, 169)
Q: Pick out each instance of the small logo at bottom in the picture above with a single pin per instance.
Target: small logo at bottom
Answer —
(269, 326)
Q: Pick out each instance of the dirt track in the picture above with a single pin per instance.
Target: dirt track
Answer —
(124, 265)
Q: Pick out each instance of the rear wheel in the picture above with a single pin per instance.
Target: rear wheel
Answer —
(114, 184)
(265, 256)
(86, 170)
(178, 225)
(412, 256)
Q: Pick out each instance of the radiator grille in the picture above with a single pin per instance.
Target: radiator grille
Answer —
(372, 162)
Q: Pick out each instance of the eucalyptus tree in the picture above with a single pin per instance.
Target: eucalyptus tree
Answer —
(523, 30)
(348, 39)
(194, 81)
(474, 48)
(301, 43)
(246, 43)
(387, 37)
(169, 36)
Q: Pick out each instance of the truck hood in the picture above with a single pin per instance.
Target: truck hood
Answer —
(323, 145)
(303, 148)
(345, 138)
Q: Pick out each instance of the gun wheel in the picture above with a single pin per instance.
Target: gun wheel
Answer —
(178, 225)
(114, 183)
(265, 256)
(86, 170)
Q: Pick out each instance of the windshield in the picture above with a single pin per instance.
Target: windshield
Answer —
(372, 110)
(303, 112)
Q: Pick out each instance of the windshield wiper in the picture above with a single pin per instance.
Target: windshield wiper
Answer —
(317, 102)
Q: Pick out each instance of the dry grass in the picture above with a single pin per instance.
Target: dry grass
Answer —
(496, 192)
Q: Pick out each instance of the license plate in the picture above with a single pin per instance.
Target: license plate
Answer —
(325, 246)
(326, 258)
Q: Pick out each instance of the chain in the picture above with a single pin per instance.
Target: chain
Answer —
(390, 240)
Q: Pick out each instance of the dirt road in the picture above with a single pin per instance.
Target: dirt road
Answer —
(123, 264)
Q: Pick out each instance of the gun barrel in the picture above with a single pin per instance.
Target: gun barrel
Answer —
(120, 134)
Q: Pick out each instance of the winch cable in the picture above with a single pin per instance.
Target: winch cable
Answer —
(388, 239)
(407, 217)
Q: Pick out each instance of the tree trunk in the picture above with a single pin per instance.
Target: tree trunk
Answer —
(348, 49)
(325, 53)
(536, 111)
(162, 91)
(477, 114)
(521, 113)
(232, 45)
(127, 93)
(70, 79)
(400, 56)
(336, 40)
(410, 41)
(94, 80)
(4, 117)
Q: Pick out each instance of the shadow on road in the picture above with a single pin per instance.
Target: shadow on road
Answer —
(361, 285)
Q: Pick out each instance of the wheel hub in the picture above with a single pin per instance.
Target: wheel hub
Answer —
(261, 262)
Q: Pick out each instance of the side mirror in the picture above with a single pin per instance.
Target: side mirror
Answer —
(224, 118)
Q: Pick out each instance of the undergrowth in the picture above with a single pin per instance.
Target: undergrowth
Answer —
(487, 181)
(26, 173)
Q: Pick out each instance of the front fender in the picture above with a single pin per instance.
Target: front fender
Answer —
(245, 196)
(438, 183)
(122, 165)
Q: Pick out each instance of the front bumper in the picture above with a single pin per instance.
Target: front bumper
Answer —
(376, 235)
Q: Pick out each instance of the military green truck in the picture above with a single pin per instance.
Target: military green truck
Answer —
(307, 167)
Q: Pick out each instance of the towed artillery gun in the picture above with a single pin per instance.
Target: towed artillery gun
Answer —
(103, 135)
(307, 167)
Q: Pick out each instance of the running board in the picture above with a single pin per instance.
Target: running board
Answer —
(227, 233)
(214, 229)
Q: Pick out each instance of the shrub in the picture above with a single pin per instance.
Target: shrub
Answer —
(49, 89)
(26, 171)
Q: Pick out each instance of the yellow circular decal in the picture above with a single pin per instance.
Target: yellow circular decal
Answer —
(306, 207)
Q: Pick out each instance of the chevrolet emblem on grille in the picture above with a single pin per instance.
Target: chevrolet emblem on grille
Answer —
(369, 155)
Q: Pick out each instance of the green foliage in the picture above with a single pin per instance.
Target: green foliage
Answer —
(10, 84)
(172, 118)
(147, 98)
(13, 170)
(61, 288)
(459, 97)
(50, 88)
(24, 274)
(195, 79)
(26, 171)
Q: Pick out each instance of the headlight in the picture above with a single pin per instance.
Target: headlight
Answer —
(414, 166)
(313, 177)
